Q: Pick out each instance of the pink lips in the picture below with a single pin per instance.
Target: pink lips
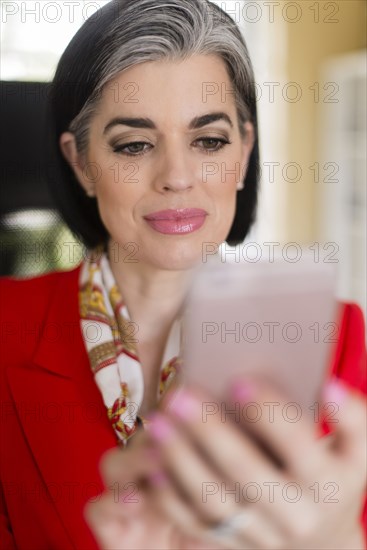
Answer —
(178, 221)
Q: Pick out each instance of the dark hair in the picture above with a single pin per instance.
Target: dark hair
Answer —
(122, 34)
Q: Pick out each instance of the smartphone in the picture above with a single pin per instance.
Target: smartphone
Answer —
(277, 320)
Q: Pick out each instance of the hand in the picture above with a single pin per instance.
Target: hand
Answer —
(296, 490)
(126, 516)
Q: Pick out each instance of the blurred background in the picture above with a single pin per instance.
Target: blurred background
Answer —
(310, 70)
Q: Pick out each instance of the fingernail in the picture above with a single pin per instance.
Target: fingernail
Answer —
(158, 479)
(334, 391)
(159, 427)
(184, 405)
(242, 391)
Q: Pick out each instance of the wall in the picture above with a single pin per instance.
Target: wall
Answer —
(309, 44)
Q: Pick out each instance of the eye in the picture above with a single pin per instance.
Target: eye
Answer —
(133, 149)
(212, 144)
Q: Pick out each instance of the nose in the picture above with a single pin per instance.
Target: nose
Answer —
(174, 170)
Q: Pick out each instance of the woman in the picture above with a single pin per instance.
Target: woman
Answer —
(136, 116)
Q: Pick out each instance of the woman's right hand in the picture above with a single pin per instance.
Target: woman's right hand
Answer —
(161, 503)
(126, 515)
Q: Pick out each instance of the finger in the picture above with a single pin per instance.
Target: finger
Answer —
(240, 459)
(130, 464)
(255, 533)
(249, 530)
(279, 425)
(173, 506)
(350, 423)
(234, 453)
(188, 468)
(210, 498)
(120, 526)
(108, 521)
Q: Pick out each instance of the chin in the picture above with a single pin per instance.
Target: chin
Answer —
(178, 257)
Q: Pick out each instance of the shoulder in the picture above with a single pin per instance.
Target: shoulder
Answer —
(44, 280)
(350, 356)
(26, 304)
(32, 294)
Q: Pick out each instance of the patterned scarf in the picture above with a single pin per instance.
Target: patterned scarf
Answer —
(110, 338)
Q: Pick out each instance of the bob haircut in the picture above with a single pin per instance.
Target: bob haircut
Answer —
(120, 35)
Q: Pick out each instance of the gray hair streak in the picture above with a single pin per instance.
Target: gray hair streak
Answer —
(153, 30)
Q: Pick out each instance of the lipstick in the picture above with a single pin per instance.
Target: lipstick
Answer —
(176, 221)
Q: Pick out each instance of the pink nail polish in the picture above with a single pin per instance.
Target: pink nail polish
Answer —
(159, 427)
(242, 391)
(335, 392)
(184, 405)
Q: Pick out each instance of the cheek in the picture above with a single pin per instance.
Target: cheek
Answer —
(227, 210)
(120, 184)
(223, 192)
(224, 200)
(223, 188)
(117, 195)
(223, 175)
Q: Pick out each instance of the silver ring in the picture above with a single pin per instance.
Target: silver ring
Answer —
(231, 526)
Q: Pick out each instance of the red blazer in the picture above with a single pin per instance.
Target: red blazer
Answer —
(54, 426)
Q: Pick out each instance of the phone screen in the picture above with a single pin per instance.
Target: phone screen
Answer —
(277, 320)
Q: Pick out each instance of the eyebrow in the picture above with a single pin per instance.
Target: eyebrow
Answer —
(197, 122)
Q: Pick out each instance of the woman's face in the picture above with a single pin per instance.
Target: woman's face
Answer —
(164, 173)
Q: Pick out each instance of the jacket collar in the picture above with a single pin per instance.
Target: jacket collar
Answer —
(70, 430)
(61, 330)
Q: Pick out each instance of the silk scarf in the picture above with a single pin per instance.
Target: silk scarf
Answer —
(111, 338)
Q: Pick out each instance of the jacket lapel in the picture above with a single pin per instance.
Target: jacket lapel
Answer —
(61, 410)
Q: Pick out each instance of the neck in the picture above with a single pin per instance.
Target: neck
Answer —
(154, 297)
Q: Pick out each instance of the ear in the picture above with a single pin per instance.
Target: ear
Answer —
(248, 141)
(76, 162)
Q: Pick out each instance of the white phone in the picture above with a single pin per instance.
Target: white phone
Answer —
(277, 320)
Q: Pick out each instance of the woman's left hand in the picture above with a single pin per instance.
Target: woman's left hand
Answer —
(252, 455)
